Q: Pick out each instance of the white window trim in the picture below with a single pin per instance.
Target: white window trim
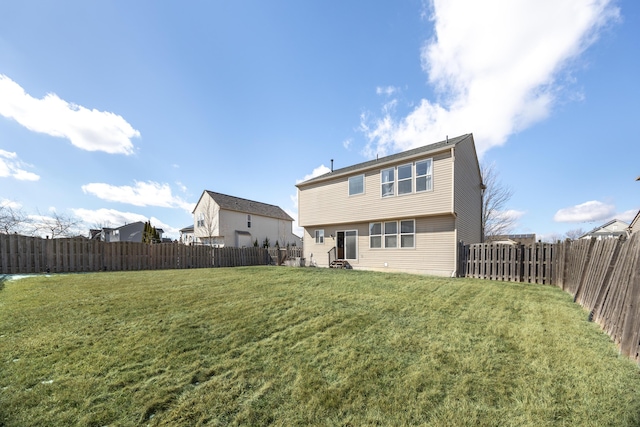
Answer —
(412, 167)
(349, 185)
(414, 179)
(429, 175)
(392, 182)
(400, 234)
(319, 235)
(381, 236)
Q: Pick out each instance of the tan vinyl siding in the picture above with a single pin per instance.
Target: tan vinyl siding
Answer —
(434, 251)
(330, 203)
(468, 198)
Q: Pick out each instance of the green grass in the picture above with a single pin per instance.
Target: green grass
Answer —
(284, 346)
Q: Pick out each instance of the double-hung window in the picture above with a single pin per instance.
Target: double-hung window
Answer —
(405, 179)
(375, 235)
(388, 181)
(424, 175)
(407, 233)
(391, 234)
(356, 185)
(248, 221)
(200, 219)
(319, 237)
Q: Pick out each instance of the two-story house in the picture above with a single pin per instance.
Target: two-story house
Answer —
(403, 212)
(221, 220)
(132, 232)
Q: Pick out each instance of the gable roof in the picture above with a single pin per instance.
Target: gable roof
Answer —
(239, 204)
(425, 149)
(597, 231)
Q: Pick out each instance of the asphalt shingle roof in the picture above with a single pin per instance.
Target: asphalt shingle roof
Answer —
(393, 157)
(239, 204)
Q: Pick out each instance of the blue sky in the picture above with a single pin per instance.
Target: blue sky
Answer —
(121, 111)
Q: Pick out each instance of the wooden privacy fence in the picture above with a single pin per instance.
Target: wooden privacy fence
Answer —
(533, 263)
(604, 277)
(24, 255)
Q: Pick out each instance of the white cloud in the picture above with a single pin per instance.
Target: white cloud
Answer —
(388, 90)
(141, 194)
(627, 216)
(320, 170)
(6, 203)
(495, 67)
(90, 130)
(585, 212)
(11, 166)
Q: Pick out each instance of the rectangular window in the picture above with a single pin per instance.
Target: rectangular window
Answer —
(407, 233)
(424, 181)
(320, 237)
(356, 185)
(351, 244)
(248, 221)
(387, 179)
(201, 219)
(405, 179)
(391, 234)
(375, 235)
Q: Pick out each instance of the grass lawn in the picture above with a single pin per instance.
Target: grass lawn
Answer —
(306, 346)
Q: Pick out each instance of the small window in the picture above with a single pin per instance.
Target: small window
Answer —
(320, 237)
(200, 219)
(248, 221)
(356, 185)
(405, 179)
(387, 180)
(391, 234)
(375, 235)
(407, 234)
(424, 181)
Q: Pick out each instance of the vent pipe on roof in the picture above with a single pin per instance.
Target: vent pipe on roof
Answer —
(331, 165)
(447, 139)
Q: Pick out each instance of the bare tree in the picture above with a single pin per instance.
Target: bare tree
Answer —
(207, 221)
(574, 234)
(495, 219)
(56, 225)
(12, 219)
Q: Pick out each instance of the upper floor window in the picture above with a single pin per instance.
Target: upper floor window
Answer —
(424, 179)
(388, 180)
(319, 236)
(405, 179)
(356, 185)
(248, 221)
(200, 222)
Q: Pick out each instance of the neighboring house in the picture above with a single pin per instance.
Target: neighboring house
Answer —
(186, 235)
(127, 233)
(634, 227)
(512, 239)
(612, 229)
(403, 212)
(221, 220)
